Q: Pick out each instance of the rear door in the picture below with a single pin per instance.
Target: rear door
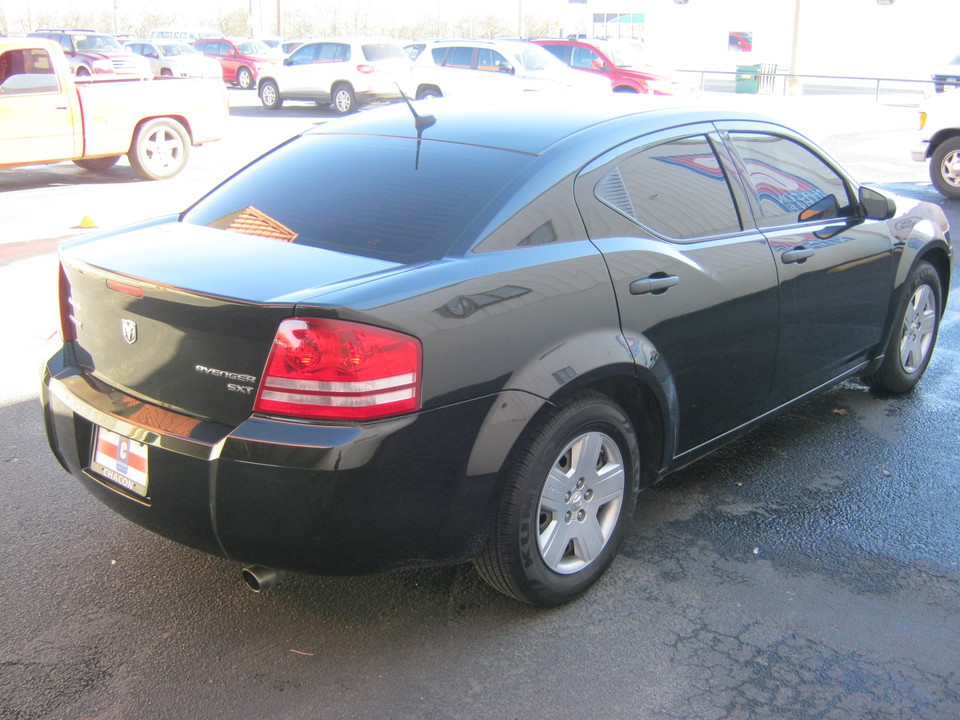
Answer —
(835, 269)
(696, 286)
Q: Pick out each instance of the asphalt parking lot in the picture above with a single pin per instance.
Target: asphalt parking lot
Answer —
(809, 570)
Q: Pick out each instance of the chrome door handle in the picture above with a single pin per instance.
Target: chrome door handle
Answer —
(799, 255)
(653, 285)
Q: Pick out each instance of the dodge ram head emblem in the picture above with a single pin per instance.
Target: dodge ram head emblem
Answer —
(129, 329)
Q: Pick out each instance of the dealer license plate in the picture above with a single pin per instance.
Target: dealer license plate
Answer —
(121, 460)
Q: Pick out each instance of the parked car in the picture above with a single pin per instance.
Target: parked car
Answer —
(465, 68)
(622, 63)
(241, 60)
(948, 76)
(344, 72)
(939, 142)
(95, 55)
(190, 34)
(476, 332)
(175, 58)
(49, 116)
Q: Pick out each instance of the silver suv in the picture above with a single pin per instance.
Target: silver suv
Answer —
(472, 67)
(346, 73)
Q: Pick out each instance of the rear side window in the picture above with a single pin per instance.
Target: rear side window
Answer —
(461, 57)
(678, 189)
(385, 197)
(333, 52)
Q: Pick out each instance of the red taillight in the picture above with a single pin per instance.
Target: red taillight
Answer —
(366, 69)
(68, 323)
(337, 370)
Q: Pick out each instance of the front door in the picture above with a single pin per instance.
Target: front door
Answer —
(37, 118)
(836, 270)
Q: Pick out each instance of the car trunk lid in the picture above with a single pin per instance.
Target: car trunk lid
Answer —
(184, 316)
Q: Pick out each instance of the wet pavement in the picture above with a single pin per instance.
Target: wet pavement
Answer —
(808, 570)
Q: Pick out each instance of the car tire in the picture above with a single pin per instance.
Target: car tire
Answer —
(166, 73)
(83, 71)
(945, 168)
(270, 95)
(97, 164)
(160, 149)
(914, 335)
(343, 99)
(428, 91)
(244, 78)
(569, 494)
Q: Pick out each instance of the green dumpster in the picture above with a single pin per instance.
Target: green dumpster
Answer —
(748, 79)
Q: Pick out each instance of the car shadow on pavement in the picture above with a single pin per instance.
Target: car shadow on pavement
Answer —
(64, 174)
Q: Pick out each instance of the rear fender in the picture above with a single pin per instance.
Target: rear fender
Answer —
(627, 371)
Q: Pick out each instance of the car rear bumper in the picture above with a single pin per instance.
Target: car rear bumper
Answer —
(324, 499)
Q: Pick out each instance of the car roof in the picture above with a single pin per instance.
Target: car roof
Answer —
(533, 122)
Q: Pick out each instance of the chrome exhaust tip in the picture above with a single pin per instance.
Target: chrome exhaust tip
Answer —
(258, 577)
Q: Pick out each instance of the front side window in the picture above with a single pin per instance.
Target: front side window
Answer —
(26, 71)
(678, 189)
(492, 61)
(304, 55)
(791, 183)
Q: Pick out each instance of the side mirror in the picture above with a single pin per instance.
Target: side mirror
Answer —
(825, 208)
(505, 67)
(875, 205)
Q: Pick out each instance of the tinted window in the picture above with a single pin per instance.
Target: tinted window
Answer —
(491, 60)
(788, 179)
(333, 52)
(26, 71)
(561, 52)
(677, 189)
(461, 57)
(364, 195)
(303, 55)
(375, 53)
(585, 58)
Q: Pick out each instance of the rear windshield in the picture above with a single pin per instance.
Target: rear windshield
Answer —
(384, 51)
(384, 197)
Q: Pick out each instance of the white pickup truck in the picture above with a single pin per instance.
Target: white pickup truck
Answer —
(47, 116)
(939, 141)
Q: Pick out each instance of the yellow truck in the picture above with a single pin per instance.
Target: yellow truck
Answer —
(48, 116)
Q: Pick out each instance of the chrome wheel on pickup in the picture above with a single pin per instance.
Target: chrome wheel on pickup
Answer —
(945, 168)
(160, 149)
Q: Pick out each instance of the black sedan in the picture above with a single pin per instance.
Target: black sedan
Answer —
(465, 333)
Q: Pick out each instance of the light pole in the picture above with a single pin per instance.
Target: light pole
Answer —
(792, 81)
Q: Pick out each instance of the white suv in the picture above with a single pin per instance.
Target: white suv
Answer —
(471, 67)
(346, 73)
